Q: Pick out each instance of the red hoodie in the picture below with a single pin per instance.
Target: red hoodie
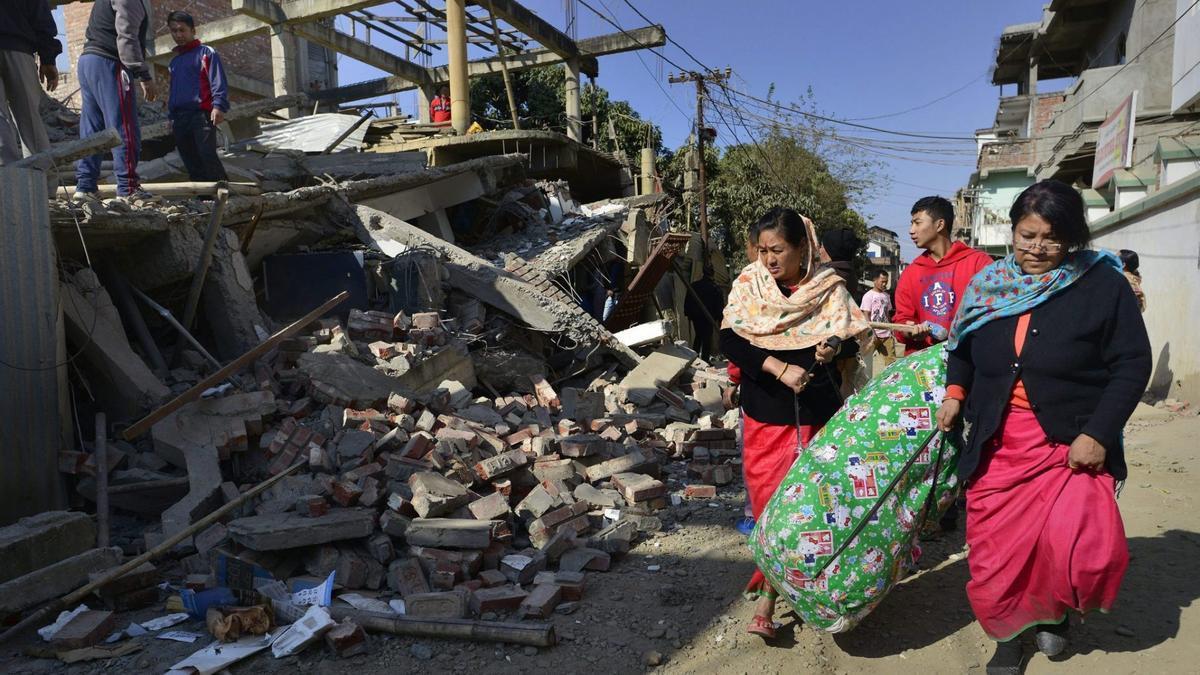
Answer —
(929, 290)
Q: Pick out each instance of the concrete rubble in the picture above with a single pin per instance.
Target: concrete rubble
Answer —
(462, 437)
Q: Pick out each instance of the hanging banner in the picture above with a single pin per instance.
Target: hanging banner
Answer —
(1114, 142)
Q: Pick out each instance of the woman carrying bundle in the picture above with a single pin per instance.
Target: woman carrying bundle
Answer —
(1048, 358)
(786, 320)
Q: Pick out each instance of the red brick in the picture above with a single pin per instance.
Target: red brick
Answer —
(541, 602)
(497, 599)
(346, 493)
(700, 491)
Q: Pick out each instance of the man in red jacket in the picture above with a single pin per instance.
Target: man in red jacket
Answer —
(929, 289)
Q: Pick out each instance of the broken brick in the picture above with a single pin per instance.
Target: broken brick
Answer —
(540, 602)
(497, 599)
(346, 639)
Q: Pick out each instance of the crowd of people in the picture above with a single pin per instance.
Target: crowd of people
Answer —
(1047, 357)
(113, 68)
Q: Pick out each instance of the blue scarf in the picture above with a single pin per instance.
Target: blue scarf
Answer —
(1001, 289)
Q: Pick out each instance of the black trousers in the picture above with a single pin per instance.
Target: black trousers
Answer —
(196, 140)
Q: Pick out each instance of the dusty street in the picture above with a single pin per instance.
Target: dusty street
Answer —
(689, 611)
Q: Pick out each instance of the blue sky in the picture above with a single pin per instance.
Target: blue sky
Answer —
(862, 59)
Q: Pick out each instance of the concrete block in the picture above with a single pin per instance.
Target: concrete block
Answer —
(435, 495)
(492, 507)
(584, 445)
(492, 578)
(439, 605)
(291, 530)
(537, 503)
(636, 487)
(337, 379)
(54, 580)
(222, 423)
(449, 533)
(393, 524)
(660, 369)
(502, 464)
(540, 603)
(497, 599)
(84, 630)
(43, 539)
(406, 577)
(622, 464)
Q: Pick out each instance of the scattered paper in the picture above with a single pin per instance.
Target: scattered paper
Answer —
(217, 656)
(315, 622)
(397, 606)
(179, 636)
(47, 632)
(319, 595)
(165, 621)
(366, 604)
(281, 601)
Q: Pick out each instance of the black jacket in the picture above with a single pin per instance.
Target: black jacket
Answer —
(1085, 365)
(768, 400)
(28, 26)
(120, 30)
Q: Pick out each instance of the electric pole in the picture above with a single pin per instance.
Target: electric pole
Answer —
(702, 134)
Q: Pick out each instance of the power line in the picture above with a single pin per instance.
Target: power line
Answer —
(644, 66)
(919, 107)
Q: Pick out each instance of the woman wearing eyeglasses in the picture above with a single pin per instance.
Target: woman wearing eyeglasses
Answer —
(1048, 358)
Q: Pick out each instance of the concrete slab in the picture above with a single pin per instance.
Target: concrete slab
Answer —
(222, 423)
(54, 580)
(281, 531)
(38, 541)
(660, 369)
(338, 379)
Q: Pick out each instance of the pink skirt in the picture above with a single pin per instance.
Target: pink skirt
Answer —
(1043, 538)
(768, 452)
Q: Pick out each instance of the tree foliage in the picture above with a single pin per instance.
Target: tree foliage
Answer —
(541, 104)
(781, 161)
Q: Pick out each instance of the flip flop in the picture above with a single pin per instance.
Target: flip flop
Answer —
(762, 626)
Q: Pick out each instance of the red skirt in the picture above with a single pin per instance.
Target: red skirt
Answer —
(768, 452)
(1043, 538)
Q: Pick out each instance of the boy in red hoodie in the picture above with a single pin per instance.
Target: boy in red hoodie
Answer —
(929, 289)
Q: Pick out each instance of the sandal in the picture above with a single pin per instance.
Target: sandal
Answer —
(762, 626)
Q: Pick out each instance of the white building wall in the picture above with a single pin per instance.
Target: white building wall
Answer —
(1185, 88)
(1167, 240)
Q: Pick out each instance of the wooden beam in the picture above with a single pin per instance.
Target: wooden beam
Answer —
(274, 14)
(534, 26)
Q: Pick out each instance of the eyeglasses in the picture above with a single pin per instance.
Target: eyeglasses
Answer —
(1032, 245)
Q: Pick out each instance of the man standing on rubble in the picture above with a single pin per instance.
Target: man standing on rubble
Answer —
(439, 107)
(198, 100)
(114, 57)
(26, 28)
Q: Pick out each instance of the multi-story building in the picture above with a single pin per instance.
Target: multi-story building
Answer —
(883, 250)
(1143, 191)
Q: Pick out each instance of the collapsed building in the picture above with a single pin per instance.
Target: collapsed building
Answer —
(436, 373)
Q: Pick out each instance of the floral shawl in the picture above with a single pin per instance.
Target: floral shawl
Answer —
(819, 308)
(1001, 289)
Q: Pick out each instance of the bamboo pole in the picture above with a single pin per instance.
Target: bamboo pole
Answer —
(79, 594)
(201, 271)
(143, 425)
(101, 448)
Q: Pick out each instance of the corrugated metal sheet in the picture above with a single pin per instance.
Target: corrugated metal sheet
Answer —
(29, 348)
(312, 133)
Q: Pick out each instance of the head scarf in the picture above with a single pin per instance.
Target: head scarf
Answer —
(819, 308)
(1001, 289)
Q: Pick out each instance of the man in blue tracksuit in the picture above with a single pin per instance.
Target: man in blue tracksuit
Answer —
(199, 100)
(113, 59)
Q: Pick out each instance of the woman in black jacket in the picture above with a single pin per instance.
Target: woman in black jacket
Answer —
(786, 320)
(1048, 359)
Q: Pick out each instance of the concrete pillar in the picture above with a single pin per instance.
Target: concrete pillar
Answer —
(574, 122)
(284, 54)
(456, 43)
(647, 171)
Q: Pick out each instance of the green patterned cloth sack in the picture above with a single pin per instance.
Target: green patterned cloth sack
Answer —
(837, 533)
